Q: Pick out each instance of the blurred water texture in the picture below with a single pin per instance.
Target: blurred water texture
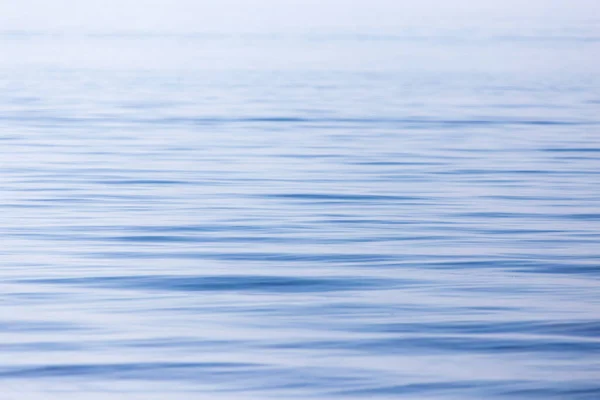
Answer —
(314, 216)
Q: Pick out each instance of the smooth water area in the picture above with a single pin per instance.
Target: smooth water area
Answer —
(311, 216)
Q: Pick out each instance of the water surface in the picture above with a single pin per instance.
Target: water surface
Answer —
(323, 216)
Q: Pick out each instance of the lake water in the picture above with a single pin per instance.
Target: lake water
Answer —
(311, 216)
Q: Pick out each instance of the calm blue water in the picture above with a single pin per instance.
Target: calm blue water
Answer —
(343, 216)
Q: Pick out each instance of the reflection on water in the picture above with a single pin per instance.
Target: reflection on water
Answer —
(223, 225)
